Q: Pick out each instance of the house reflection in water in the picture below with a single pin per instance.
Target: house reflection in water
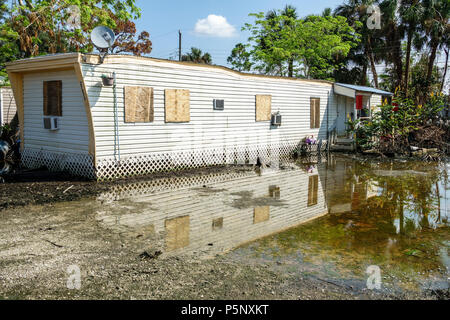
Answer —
(216, 212)
(220, 211)
(346, 190)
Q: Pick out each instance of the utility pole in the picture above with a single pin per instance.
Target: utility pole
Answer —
(179, 45)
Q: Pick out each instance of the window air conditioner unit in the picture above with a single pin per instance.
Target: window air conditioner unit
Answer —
(219, 104)
(51, 123)
(276, 119)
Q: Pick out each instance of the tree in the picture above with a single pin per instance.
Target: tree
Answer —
(126, 40)
(327, 12)
(240, 58)
(9, 50)
(42, 26)
(446, 50)
(393, 31)
(420, 85)
(290, 12)
(197, 56)
(283, 20)
(411, 14)
(437, 27)
(314, 44)
(327, 41)
(364, 55)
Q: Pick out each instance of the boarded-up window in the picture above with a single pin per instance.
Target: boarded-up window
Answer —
(178, 105)
(177, 233)
(263, 108)
(138, 104)
(262, 214)
(315, 113)
(313, 191)
(53, 98)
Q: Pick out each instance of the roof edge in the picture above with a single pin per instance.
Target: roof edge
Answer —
(359, 88)
(46, 62)
(115, 59)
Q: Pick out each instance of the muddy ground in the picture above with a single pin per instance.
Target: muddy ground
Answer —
(37, 245)
(28, 187)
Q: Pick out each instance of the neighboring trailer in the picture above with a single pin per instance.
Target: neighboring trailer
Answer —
(7, 105)
(160, 115)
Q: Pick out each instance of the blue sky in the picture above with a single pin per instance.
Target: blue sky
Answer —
(214, 34)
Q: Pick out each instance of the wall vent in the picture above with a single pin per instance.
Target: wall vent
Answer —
(219, 104)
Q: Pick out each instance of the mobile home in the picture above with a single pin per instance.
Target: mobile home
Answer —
(134, 115)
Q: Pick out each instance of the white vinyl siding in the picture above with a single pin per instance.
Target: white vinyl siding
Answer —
(207, 128)
(73, 135)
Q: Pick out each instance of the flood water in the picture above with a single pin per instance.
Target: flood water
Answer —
(331, 217)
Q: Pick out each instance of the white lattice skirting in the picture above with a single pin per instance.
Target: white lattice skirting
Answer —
(76, 164)
(111, 169)
(139, 165)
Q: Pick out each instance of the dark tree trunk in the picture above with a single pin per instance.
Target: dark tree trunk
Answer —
(434, 46)
(445, 69)
(363, 81)
(408, 60)
(395, 40)
(291, 68)
(398, 63)
(374, 70)
(372, 63)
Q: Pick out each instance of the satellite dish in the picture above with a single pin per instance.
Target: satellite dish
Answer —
(103, 38)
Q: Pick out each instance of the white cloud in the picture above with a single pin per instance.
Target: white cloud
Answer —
(215, 26)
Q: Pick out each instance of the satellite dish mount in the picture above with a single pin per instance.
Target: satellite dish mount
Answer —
(103, 39)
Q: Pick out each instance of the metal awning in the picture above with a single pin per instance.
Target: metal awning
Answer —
(351, 90)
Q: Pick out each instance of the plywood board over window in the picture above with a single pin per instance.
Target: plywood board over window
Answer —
(263, 107)
(315, 113)
(138, 104)
(177, 105)
(53, 98)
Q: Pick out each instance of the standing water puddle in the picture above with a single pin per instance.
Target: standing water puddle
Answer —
(331, 219)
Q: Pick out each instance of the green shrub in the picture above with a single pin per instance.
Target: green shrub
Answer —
(391, 126)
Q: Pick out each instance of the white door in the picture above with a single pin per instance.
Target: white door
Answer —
(341, 115)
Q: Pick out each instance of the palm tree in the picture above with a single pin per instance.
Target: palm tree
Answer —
(289, 12)
(394, 32)
(446, 50)
(411, 14)
(327, 12)
(240, 58)
(367, 52)
(436, 25)
(197, 56)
